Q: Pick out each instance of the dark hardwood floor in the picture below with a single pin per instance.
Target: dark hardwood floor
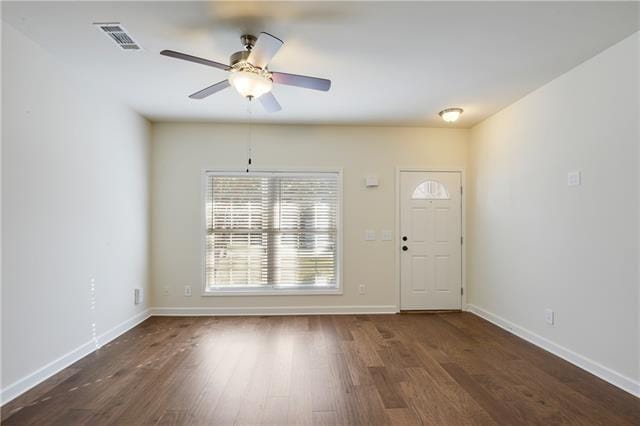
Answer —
(445, 369)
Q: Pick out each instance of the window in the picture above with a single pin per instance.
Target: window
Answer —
(430, 190)
(271, 232)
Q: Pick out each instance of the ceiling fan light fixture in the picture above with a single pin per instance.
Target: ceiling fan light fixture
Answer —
(249, 73)
(450, 114)
(250, 84)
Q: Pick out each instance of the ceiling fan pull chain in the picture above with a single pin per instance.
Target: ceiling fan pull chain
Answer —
(249, 139)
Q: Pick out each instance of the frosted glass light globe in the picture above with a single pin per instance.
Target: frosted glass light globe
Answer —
(450, 114)
(250, 84)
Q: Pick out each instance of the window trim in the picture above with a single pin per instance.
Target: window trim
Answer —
(269, 290)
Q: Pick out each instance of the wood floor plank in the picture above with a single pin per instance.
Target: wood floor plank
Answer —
(387, 389)
(275, 411)
(230, 403)
(444, 403)
(368, 406)
(74, 416)
(444, 368)
(255, 396)
(173, 418)
(300, 403)
(402, 417)
(325, 418)
(500, 412)
(282, 363)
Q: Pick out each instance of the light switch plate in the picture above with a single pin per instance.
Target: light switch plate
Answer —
(370, 235)
(573, 179)
(385, 235)
(187, 291)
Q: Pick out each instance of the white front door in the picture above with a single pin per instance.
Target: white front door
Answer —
(430, 240)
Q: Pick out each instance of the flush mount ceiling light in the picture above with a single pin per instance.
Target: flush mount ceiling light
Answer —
(450, 114)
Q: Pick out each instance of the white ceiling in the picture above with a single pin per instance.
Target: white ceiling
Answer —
(390, 63)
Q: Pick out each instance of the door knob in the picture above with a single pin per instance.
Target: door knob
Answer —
(405, 248)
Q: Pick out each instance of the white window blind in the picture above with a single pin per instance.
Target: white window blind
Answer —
(271, 230)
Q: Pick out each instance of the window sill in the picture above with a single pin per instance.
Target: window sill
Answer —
(272, 292)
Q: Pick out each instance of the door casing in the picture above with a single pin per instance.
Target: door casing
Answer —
(463, 229)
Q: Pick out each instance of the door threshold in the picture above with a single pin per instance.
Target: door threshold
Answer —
(429, 311)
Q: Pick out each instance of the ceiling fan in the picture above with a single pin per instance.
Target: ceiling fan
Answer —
(249, 73)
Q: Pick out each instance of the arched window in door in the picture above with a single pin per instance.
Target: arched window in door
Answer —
(430, 190)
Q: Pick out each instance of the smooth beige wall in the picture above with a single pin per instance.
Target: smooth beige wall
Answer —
(181, 151)
(75, 177)
(536, 243)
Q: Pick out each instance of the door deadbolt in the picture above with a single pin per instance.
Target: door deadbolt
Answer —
(404, 238)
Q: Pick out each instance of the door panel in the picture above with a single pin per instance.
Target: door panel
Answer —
(442, 273)
(419, 224)
(430, 218)
(442, 225)
(419, 272)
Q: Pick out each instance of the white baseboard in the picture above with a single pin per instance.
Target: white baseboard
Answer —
(17, 388)
(625, 383)
(276, 310)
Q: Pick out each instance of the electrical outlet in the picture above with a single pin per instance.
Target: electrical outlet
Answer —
(137, 296)
(362, 289)
(165, 291)
(187, 291)
(549, 316)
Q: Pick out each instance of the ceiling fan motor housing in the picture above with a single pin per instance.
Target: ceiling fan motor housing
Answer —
(248, 41)
(239, 57)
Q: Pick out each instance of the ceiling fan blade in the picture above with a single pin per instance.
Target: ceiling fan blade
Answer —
(269, 102)
(208, 91)
(265, 48)
(301, 81)
(195, 59)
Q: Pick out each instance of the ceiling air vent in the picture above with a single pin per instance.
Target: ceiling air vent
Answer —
(117, 33)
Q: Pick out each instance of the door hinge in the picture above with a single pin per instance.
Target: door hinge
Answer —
(461, 291)
(461, 190)
(461, 240)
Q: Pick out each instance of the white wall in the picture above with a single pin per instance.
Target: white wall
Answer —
(181, 151)
(75, 177)
(536, 243)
